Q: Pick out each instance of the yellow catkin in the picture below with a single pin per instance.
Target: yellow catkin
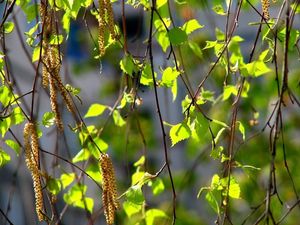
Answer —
(265, 8)
(101, 28)
(110, 18)
(109, 194)
(32, 162)
(54, 104)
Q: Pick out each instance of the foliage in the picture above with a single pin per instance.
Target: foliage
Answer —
(203, 128)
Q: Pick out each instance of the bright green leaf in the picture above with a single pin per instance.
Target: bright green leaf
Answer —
(160, 3)
(95, 110)
(152, 214)
(135, 195)
(131, 208)
(212, 201)
(94, 171)
(82, 155)
(13, 145)
(66, 179)
(54, 186)
(118, 120)
(179, 132)
(127, 65)
(241, 129)
(190, 26)
(157, 186)
(168, 76)
(48, 119)
(4, 158)
(8, 27)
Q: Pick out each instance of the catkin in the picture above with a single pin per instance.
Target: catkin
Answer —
(32, 162)
(110, 18)
(265, 8)
(105, 16)
(109, 194)
(101, 28)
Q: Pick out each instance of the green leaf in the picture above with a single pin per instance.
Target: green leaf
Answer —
(210, 44)
(241, 129)
(153, 214)
(86, 203)
(135, 195)
(127, 65)
(54, 186)
(75, 197)
(228, 91)
(131, 208)
(191, 25)
(36, 53)
(66, 179)
(146, 76)
(163, 40)
(5, 96)
(56, 39)
(255, 69)
(168, 76)
(95, 110)
(218, 9)
(160, 3)
(13, 145)
(94, 171)
(177, 36)
(4, 158)
(157, 186)
(196, 49)
(48, 119)
(82, 155)
(179, 132)
(118, 120)
(212, 201)
(140, 162)
(8, 27)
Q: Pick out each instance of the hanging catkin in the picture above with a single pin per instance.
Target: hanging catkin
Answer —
(32, 161)
(109, 194)
(51, 58)
(265, 7)
(106, 16)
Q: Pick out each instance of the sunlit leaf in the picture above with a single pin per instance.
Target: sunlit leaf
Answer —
(152, 214)
(66, 179)
(82, 155)
(95, 110)
(48, 119)
(131, 208)
(191, 26)
(13, 145)
(118, 120)
(179, 132)
(8, 27)
(4, 158)
(54, 186)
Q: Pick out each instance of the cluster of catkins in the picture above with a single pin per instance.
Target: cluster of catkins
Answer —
(31, 147)
(109, 192)
(105, 17)
(51, 59)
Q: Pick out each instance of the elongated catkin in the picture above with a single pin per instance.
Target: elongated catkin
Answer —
(109, 194)
(265, 7)
(32, 161)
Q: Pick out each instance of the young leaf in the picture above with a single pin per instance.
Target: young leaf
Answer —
(131, 208)
(190, 26)
(177, 36)
(48, 119)
(212, 201)
(179, 132)
(8, 27)
(82, 155)
(152, 214)
(13, 145)
(157, 186)
(54, 186)
(135, 195)
(95, 110)
(118, 120)
(66, 179)
(4, 158)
